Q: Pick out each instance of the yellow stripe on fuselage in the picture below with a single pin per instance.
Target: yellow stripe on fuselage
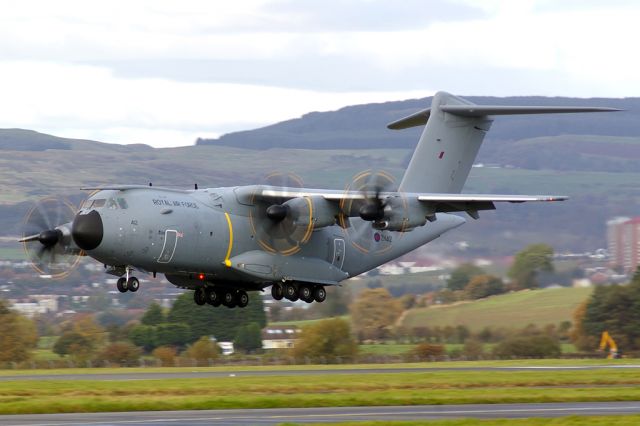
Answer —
(227, 262)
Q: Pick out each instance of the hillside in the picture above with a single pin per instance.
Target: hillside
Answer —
(363, 126)
(513, 310)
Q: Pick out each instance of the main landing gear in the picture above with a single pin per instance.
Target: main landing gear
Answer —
(128, 283)
(229, 297)
(303, 291)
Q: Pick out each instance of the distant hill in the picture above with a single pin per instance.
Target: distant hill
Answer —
(512, 310)
(364, 126)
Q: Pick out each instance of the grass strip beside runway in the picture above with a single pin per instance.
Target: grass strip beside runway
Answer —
(613, 420)
(437, 387)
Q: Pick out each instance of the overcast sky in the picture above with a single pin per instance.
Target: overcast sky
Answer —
(165, 72)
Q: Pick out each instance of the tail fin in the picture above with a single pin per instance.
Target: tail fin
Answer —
(449, 144)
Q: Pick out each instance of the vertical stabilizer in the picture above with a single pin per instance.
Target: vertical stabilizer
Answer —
(447, 148)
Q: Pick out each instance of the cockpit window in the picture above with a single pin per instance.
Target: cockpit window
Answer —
(123, 203)
(111, 204)
(98, 203)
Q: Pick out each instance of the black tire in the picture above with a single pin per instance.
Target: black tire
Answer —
(277, 292)
(212, 297)
(319, 294)
(133, 284)
(218, 300)
(305, 293)
(122, 285)
(242, 298)
(199, 297)
(229, 299)
(291, 292)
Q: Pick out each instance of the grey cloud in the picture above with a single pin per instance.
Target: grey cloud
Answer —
(342, 74)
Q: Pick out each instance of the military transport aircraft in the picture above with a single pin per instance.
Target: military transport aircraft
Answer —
(224, 242)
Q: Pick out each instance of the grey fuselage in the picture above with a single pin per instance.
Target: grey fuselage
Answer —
(207, 236)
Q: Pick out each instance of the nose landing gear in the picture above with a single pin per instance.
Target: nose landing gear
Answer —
(128, 283)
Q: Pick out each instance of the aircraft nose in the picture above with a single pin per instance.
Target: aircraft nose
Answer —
(87, 230)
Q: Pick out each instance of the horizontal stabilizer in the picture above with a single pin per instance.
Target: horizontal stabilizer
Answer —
(483, 110)
(417, 119)
(421, 117)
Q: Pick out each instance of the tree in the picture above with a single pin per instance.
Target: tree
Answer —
(121, 353)
(482, 286)
(373, 313)
(18, 335)
(143, 336)
(75, 345)
(248, 338)
(527, 263)
(461, 276)
(172, 334)
(153, 315)
(615, 309)
(327, 340)
(203, 350)
(222, 323)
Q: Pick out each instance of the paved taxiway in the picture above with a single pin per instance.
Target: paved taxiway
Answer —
(282, 371)
(311, 415)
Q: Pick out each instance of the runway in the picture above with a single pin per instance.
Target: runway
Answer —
(283, 371)
(327, 415)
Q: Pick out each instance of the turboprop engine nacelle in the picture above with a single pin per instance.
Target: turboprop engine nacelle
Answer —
(402, 215)
(319, 211)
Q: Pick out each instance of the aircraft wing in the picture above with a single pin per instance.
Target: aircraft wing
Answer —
(439, 202)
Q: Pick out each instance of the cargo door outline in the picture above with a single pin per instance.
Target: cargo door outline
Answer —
(169, 247)
(338, 252)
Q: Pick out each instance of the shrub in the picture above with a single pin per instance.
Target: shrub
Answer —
(473, 349)
(203, 351)
(121, 353)
(427, 352)
(166, 355)
(527, 347)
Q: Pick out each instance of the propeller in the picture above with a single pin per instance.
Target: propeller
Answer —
(281, 225)
(364, 231)
(46, 238)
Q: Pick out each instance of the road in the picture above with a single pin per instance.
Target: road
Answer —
(282, 371)
(328, 415)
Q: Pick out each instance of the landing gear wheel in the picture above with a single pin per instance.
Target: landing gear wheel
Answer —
(291, 292)
(319, 294)
(306, 293)
(229, 299)
(277, 292)
(199, 297)
(133, 284)
(213, 297)
(242, 298)
(122, 285)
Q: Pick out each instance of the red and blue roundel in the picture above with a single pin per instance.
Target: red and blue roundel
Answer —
(377, 237)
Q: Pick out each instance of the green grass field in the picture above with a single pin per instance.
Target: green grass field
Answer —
(428, 387)
(513, 310)
(614, 420)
